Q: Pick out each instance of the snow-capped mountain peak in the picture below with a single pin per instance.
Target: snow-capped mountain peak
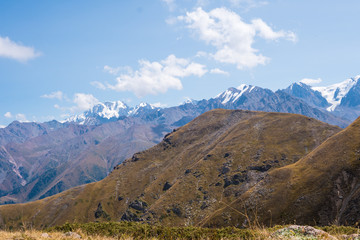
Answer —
(335, 93)
(106, 110)
(109, 109)
(233, 94)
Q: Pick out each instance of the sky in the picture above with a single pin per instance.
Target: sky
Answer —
(59, 58)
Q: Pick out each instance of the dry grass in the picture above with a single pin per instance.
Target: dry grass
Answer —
(258, 234)
(39, 235)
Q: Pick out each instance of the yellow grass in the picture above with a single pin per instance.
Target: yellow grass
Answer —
(39, 235)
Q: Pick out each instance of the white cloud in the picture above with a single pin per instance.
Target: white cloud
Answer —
(10, 49)
(156, 77)
(171, 20)
(65, 115)
(218, 71)
(231, 36)
(2, 126)
(83, 102)
(266, 32)
(310, 81)
(159, 105)
(98, 85)
(8, 115)
(201, 54)
(54, 95)
(21, 117)
(111, 70)
(171, 4)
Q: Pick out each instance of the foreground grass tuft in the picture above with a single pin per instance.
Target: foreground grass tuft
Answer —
(135, 231)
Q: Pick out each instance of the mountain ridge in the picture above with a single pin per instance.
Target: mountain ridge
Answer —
(216, 157)
(322, 187)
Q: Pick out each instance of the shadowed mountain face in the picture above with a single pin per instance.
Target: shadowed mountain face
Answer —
(322, 188)
(70, 156)
(192, 174)
(18, 132)
(340, 99)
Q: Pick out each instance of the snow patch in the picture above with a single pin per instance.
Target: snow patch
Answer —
(335, 93)
(15, 167)
(233, 94)
(243, 88)
(227, 96)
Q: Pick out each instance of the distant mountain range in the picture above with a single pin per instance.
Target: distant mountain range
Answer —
(42, 159)
(337, 104)
(198, 170)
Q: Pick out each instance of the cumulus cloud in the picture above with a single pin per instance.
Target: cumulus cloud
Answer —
(21, 117)
(8, 115)
(10, 49)
(232, 37)
(310, 81)
(112, 70)
(54, 95)
(98, 85)
(83, 101)
(2, 126)
(156, 77)
(80, 102)
(266, 32)
(218, 71)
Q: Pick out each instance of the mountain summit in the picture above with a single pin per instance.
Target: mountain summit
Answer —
(341, 99)
(108, 112)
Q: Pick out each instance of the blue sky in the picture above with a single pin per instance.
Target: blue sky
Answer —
(58, 58)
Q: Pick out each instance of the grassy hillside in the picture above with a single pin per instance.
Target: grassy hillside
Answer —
(322, 188)
(195, 171)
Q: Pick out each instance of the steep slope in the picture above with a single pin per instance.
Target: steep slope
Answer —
(71, 156)
(340, 99)
(306, 93)
(195, 170)
(322, 188)
(336, 92)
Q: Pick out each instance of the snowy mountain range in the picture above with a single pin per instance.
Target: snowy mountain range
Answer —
(341, 99)
(336, 104)
(109, 111)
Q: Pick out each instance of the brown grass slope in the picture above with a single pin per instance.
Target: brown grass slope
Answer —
(193, 172)
(322, 188)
